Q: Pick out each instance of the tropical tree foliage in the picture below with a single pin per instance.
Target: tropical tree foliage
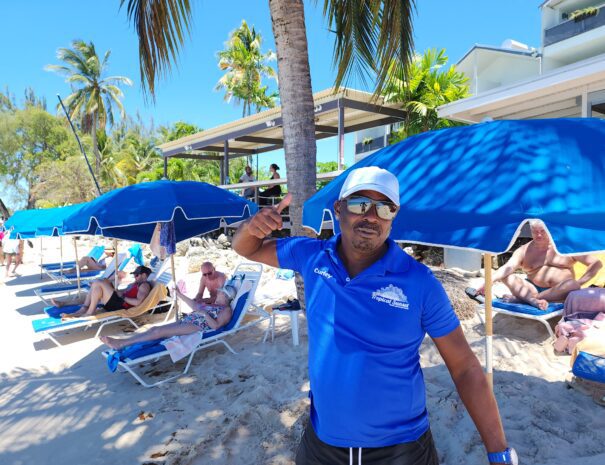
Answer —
(245, 66)
(94, 95)
(29, 137)
(426, 85)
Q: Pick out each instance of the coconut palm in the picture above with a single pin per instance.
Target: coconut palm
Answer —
(427, 86)
(245, 66)
(93, 96)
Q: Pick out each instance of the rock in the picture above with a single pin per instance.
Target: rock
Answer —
(222, 239)
(195, 252)
(181, 248)
(454, 284)
(194, 263)
(196, 242)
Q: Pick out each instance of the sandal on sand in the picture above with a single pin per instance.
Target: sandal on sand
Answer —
(473, 294)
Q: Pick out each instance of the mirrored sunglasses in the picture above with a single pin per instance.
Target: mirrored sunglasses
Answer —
(360, 205)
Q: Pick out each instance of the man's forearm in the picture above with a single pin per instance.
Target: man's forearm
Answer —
(590, 273)
(480, 402)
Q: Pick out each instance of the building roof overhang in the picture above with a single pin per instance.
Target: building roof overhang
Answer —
(531, 98)
(263, 132)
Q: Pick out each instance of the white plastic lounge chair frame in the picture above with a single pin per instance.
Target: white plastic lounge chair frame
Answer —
(164, 278)
(540, 318)
(252, 272)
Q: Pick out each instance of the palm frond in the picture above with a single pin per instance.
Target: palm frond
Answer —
(371, 36)
(161, 26)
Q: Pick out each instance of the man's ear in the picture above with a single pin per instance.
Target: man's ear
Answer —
(337, 209)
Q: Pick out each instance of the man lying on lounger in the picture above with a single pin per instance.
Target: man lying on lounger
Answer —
(103, 292)
(204, 318)
(550, 276)
(90, 264)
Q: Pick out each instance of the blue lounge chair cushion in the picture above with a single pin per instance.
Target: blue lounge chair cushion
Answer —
(63, 287)
(55, 312)
(589, 367)
(57, 266)
(42, 324)
(526, 308)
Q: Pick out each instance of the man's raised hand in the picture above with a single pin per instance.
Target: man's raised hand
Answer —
(268, 219)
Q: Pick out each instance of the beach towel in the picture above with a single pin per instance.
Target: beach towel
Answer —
(569, 333)
(180, 346)
(140, 349)
(584, 303)
(526, 308)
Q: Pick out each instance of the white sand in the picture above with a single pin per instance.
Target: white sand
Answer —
(62, 405)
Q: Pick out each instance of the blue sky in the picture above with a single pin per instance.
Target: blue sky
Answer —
(32, 31)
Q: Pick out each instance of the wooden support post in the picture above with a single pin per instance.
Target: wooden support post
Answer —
(116, 278)
(487, 263)
(176, 300)
(341, 135)
(77, 265)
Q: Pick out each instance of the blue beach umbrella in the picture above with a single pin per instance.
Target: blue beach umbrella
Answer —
(46, 222)
(132, 212)
(184, 208)
(27, 224)
(475, 186)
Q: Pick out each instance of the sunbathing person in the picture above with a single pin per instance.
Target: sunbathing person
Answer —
(90, 264)
(204, 318)
(102, 291)
(211, 280)
(550, 276)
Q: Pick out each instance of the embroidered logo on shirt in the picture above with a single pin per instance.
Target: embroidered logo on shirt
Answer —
(392, 296)
(323, 271)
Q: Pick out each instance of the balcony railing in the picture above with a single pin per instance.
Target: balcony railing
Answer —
(573, 28)
(374, 144)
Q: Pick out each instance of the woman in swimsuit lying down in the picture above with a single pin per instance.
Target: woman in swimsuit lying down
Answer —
(204, 317)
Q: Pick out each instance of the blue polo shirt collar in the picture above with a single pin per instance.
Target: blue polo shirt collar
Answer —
(394, 260)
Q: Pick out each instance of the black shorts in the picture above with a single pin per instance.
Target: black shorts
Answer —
(114, 303)
(313, 451)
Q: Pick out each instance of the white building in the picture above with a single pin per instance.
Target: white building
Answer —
(564, 77)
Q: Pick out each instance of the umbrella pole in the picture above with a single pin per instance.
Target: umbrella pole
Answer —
(115, 257)
(487, 260)
(77, 265)
(176, 301)
(61, 253)
(41, 260)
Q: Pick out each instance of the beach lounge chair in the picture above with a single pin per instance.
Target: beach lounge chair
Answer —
(70, 278)
(96, 252)
(518, 310)
(53, 324)
(70, 288)
(245, 278)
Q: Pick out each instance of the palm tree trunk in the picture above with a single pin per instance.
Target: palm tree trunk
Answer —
(294, 77)
(95, 146)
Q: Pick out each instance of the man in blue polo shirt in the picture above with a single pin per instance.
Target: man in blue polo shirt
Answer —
(369, 306)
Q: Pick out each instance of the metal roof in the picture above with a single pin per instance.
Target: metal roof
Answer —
(263, 131)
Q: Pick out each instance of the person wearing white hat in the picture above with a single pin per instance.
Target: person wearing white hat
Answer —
(369, 306)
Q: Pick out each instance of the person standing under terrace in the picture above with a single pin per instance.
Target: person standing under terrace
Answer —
(369, 306)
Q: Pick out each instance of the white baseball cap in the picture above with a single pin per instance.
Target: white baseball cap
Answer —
(371, 178)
